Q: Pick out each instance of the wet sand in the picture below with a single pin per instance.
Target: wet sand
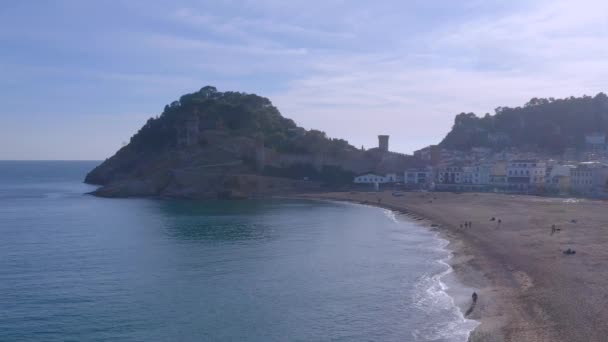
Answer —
(529, 290)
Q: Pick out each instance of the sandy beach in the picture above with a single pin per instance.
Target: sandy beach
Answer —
(529, 290)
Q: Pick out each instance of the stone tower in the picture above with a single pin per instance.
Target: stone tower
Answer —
(383, 143)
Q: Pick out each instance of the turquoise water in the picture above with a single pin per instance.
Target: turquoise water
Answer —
(79, 268)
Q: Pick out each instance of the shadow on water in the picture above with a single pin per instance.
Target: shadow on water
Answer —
(227, 221)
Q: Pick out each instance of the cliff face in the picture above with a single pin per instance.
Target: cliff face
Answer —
(549, 125)
(225, 144)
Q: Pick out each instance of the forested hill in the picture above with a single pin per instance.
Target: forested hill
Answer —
(207, 141)
(240, 113)
(541, 124)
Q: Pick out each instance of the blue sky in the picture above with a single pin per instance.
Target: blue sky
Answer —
(78, 78)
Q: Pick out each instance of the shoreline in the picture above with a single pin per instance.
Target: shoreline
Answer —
(502, 309)
(448, 280)
(451, 247)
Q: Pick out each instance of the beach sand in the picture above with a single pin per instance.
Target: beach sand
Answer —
(529, 290)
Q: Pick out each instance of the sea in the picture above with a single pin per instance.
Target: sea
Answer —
(74, 267)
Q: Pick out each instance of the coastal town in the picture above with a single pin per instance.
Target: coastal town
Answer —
(577, 172)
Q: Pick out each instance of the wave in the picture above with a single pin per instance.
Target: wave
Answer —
(391, 215)
(430, 296)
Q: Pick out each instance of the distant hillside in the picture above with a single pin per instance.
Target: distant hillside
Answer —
(541, 124)
(212, 142)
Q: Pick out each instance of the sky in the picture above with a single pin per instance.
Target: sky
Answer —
(78, 78)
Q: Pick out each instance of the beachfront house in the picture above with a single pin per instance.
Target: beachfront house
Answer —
(582, 179)
(481, 174)
(450, 175)
(589, 178)
(374, 178)
(558, 178)
(456, 177)
(418, 177)
(498, 175)
(525, 174)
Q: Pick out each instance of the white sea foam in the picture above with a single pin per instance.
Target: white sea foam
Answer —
(441, 320)
(431, 296)
(391, 215)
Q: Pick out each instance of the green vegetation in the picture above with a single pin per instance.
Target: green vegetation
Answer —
(240, 114)
(549, 125)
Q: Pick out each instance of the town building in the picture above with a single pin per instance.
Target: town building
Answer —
(418, 177)
(589, 178)
(450, 175)
(557, 179)
(595, 141)
(369, 178)
(391, 178)
(431, 154)
(498, 175)
(481, 174)
(525, 175)
(374, 178)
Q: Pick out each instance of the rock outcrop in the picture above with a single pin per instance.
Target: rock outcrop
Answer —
(226, 144)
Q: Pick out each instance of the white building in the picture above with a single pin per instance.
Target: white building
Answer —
(463, 178)
(481, 174)
(523, 174)
(450, 175)
(588, 178)
(581, 179)
(373, 178)
(418, 176)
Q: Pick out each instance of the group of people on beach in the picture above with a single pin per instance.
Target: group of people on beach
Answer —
(554, 229)
(499, 221)
(466, 224)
